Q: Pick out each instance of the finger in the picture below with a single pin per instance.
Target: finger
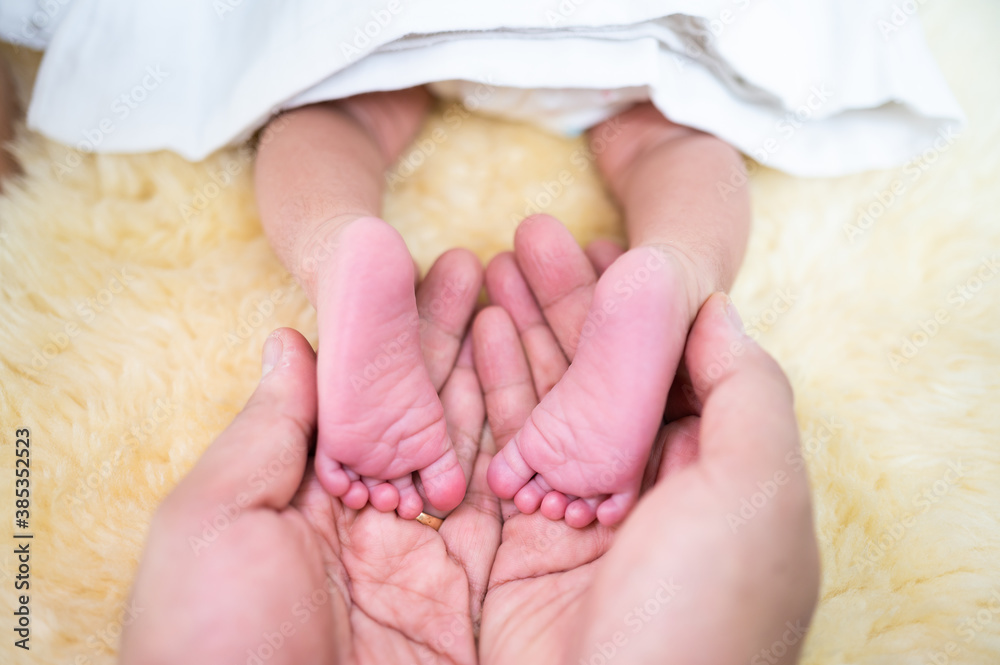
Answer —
(464, 408)
(681, 400)
(446, 299)
(747, 419)
(507, 288)
(503, 372)
(464, 412)
(680, 446)
(472, 532)
(602, 253)
(273, 432)
(560, 275)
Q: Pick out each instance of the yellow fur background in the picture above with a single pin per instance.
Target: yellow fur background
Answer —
(121, 401)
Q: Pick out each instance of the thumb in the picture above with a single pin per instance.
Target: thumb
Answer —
(259, 460)
(747, 417)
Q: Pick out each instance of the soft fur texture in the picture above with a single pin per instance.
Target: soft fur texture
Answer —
(910, 550)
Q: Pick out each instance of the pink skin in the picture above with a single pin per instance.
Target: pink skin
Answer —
(589, 457)
(319, 178)
(559, 594)
(383, 419)
(687, 242)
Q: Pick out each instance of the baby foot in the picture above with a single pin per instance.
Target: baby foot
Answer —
(582, 452)
(380, 418)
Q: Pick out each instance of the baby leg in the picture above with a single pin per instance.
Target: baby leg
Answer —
(676, 188)
(319, 177)
(592, 433)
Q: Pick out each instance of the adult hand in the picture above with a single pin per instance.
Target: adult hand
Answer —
(291, 575)
(686, 577)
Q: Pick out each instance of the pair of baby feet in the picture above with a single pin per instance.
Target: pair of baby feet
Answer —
(386, 349)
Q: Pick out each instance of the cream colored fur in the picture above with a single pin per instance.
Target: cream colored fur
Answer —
(911, 552)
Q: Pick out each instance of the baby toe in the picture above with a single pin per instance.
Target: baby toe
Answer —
(529, 497)
(508, 472)
(410, 502)
(383, 496)
(554, 505)
(614, 509)
(356, 496)
(444, 481)
(332, 476)
(582, 512)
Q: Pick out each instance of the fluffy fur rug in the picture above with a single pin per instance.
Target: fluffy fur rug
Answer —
(137, 291)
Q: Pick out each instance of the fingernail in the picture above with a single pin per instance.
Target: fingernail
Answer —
(734, 316)
(273, 348)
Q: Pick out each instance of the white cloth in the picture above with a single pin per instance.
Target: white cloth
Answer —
(812, 87)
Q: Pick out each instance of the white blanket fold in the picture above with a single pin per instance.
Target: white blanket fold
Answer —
(814, 88)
